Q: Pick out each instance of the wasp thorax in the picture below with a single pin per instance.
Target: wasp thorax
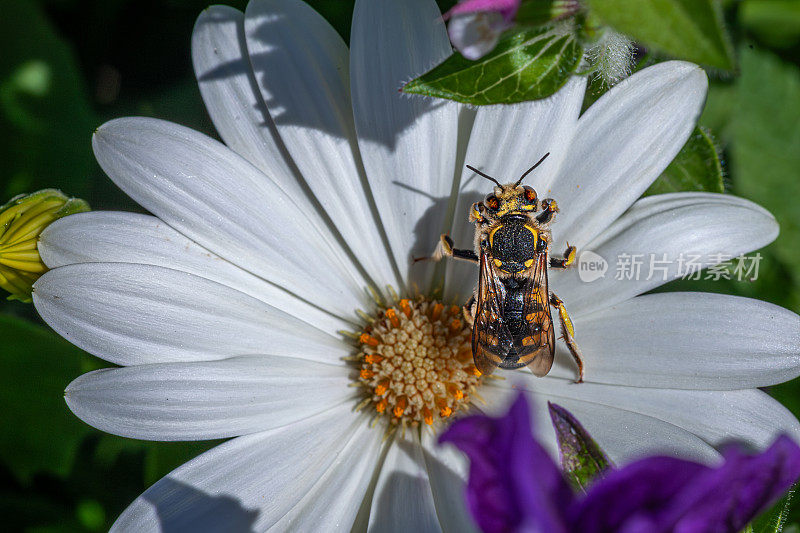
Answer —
(416, 362)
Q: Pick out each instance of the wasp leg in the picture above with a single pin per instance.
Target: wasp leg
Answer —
(549, 210)
(469, 311)
(567, 260)
(445, 249)
(569, 332)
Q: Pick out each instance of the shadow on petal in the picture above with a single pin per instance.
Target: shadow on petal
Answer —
(237, 67)
(181, 507)
(267, 64)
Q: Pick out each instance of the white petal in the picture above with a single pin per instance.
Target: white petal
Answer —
(688, 341)
(207, 400)
(506, 141)
(627, 435)
(256, 482)
(301, 68)
(116, 237)
(336, 498)
(622, 433)
(403, 500)
(750, 415)
(447, 471)
(663, 231)
(135, 314)
(230, 93)
(624, 141)
(217, 199)
(408, 144)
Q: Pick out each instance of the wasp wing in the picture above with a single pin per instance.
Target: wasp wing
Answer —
(489, 333)
(536, 348)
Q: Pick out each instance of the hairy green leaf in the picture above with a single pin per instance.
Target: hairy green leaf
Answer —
(774, 519)
(527, 64)
(697, 167)
(687, 29)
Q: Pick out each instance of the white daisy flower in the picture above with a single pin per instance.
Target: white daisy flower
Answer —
(224, 308)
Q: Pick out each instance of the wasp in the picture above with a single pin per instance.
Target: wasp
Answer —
(509, 311)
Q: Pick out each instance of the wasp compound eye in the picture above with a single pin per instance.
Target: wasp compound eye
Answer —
(530, 194)
(492, 202)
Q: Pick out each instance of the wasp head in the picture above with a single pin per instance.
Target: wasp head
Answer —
(509, 199)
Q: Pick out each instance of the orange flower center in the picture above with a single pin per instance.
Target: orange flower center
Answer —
(416, 362)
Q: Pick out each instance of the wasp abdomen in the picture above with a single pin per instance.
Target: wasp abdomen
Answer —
(518, 325)
(513, 305)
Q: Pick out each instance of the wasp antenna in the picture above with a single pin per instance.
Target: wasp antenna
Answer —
(488, 177)
(531, 169)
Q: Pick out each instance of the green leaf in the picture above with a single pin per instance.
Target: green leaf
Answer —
(765, 157)
(774, 519)
(720, 108)
(687, 29)
(775, 22)
(542, 12)
(45, 119)
(526, 64)
(35, 367)
(581, 458)
(91, 514)
(765, 148)
(697, 167)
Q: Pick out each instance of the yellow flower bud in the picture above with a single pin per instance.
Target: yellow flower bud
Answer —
(22, 220)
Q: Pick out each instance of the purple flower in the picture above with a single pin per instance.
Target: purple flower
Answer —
(507, 8)
(476, 25)
(514, 485)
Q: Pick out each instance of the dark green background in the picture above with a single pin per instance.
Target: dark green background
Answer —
(66, 66)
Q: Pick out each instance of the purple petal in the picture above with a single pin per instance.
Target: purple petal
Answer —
(513, 484)
(627, 499)
(507, 8)
(661, 494)
(475, 35)
(728, 497)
